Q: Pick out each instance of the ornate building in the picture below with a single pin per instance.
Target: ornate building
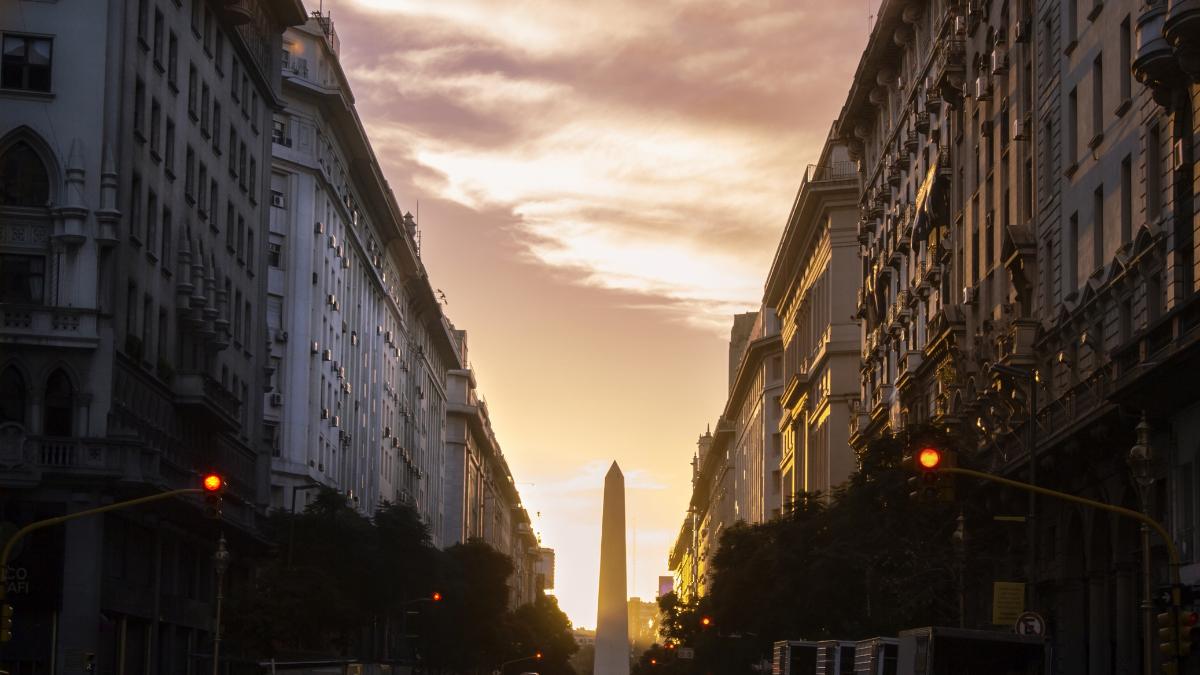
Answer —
(812, 287)
(1027, 239)
(134, 165)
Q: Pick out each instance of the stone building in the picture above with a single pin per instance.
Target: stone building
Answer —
(812, 287)
(1027, 228)
(360, 349)
(134, 164)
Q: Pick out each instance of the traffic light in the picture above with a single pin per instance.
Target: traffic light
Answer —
(928, 483)
(6, 622)
(705, 621)
(214, 487)
(436, 597)
(538, 656)
(1177, 630)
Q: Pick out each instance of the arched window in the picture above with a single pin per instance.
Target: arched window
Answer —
(12, 396)
(24, 180)
(59, 405)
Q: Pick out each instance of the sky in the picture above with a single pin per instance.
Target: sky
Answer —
(599, 187)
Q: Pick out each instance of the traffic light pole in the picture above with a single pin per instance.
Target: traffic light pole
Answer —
(1146, 521)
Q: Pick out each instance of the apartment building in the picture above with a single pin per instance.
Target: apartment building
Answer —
(812, 286)
(1027, 221)
(360, 349)
(134, 164)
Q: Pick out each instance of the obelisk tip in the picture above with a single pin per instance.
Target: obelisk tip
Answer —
(614, 469)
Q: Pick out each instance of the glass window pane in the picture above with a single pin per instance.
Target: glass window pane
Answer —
(14, 47)
(39, 53)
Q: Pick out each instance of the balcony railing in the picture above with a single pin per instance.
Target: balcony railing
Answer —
(50, 326)
(818, 173)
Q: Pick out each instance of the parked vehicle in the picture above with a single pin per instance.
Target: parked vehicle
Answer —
(952, 651)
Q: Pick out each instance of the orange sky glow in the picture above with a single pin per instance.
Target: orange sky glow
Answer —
(600, 186)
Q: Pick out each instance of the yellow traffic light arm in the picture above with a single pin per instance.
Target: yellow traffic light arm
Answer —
(8, 545)
(1153, 524)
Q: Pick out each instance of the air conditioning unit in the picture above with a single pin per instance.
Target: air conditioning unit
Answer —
(324, 413)
(327, 355)
(281, 336)
(353, 337)
(276, 399)
(331, 299)
(320, 227)
(395, 442)
(1020, 130)
(346, 263)
(387, 432)
(333, 241)
(316, 347)
(341, 371)
(1021, 32)
(335, 366)
(337, 420)
(983, 88)
(999, 61)
(315, 278)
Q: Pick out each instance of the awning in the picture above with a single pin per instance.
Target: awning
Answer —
(924, 199)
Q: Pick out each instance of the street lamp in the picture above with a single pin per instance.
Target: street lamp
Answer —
(292, 519)
(536, 656)
(1141, 465)
(220, 564)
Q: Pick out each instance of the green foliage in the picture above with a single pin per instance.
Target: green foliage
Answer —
(363, 588)
(866, 562)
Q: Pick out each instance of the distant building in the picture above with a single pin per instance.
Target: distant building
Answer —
(666, 584)
(643, 624)
(545, 569)
(584, 637)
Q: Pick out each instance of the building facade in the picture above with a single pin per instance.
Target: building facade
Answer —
(360, 349)
(134, 165)
(1028, 225)
(812, 287)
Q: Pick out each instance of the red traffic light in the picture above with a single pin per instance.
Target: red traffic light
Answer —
(213, 482)
(1189, 619)
(929, 458)
(705, 621)
(437, 597)
(538, 656)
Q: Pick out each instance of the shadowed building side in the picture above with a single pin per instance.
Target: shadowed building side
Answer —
(612, 619)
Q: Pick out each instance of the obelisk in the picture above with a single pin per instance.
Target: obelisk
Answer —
(612, 615)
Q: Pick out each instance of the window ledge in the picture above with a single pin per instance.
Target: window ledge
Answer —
(173, 86)
(27, 93)
(1071, 169)
(170, 173)
(1096, 9)
(159, 66)
(152, 257)
(166, 270)
(139, 135)
(1096, 141)
(135, 241)
(155, 156)
(1070, 47)
(1123, 107)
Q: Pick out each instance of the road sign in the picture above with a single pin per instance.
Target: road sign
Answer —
(687, 653)
(1031, 624)
(1008, 601)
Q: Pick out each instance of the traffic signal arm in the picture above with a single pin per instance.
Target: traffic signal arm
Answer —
(1172, 551)
(8, 546)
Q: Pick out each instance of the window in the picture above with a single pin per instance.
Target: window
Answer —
(23, 177)
(1153, 174)
(173, 61)
(169, 148)
(155, 129)
(151, 221)
(208, 31)
(189, 177)
(1126, 66)
(245, 96)
(216, 127)
(1098, 227)
(250, 248)
(235, 81)
(59, 405)
(213, 201)
(165, 250)
(1126, 199)
(1072, 23)
(1072, 128)
(12, 396)
(158, 38)
(147, 314)
(241, 165)
(219, 56)
(279, 132)
(192, 92)
(202, 207)
(142, 35)
(161, 351)
(253, 180)
(22, 278)
(254, 111)
(1097, 100)
(241, 238)
(232, 151)
(197, 6)
(139, 109)
(135, 208)
(1071, 249)
(275, 255)
(26, 63)
(205, 113)
(229, 224)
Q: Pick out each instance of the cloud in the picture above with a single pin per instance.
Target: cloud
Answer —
(649, 148)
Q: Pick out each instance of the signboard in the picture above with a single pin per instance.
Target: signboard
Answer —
(1030, 624)
(687, 653)
(1008, 601)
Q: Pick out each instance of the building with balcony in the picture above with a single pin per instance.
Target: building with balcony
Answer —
(134, 165)
(359, 347)
(1027, 227)
(812, 287)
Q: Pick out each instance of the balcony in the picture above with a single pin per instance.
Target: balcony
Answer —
(42, 326)
(207, 398)
(950, 66)
(881, 400)
(1182, 29)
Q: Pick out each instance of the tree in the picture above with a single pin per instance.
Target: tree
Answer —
(541, 627)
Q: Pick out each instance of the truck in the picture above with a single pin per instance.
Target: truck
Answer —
(936, 650)
(876, 656)
(835, 657)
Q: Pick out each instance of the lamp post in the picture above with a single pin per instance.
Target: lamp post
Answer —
(1141, 465)
(1030, 376)
(220, 564)
(292, 519)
